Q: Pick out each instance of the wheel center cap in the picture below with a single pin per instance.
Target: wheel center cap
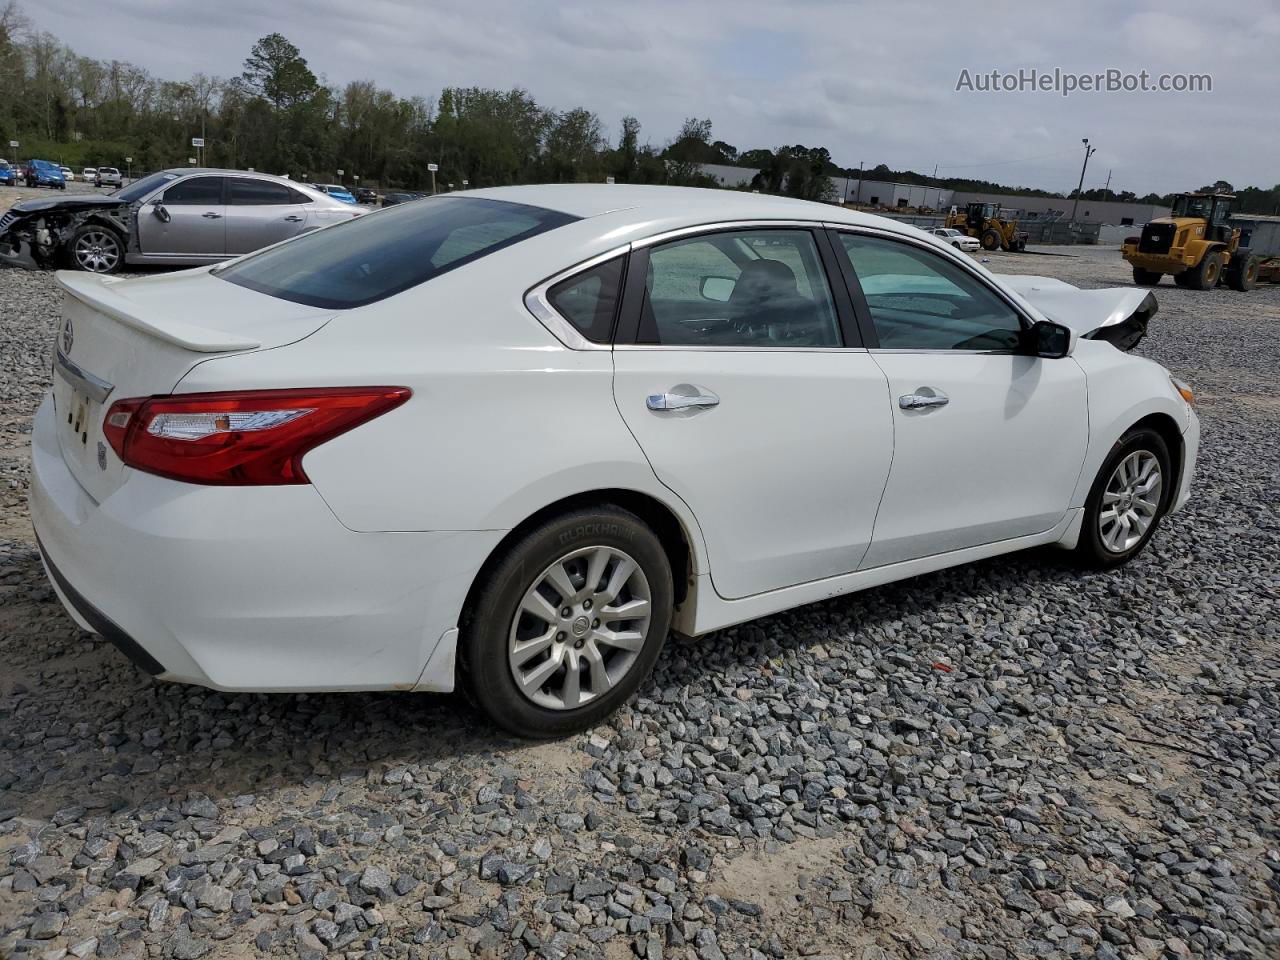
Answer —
(580, 626)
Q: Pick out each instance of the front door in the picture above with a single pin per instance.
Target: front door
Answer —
(749, 407)
(988, 442)
(188, 219)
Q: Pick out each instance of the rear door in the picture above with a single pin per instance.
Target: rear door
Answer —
(739, 372)
(188, 220)
(261, 212)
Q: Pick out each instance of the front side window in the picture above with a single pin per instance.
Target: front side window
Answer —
(919, 300)
(246, 192)
(370, 258)
(202, 191)
(749, 288)
(589, 300)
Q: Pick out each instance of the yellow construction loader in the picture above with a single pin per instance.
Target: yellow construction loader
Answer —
(1199, 247)
(985, 222)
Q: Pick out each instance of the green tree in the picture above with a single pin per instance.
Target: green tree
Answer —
(276, 70)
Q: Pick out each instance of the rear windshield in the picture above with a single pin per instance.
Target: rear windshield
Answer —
(378, 255)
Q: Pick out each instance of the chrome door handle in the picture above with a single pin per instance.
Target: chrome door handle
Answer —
(211, 215)
(679, 401)
(914, 401)
(292, 219)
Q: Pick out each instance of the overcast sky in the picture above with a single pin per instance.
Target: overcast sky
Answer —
(872, 82)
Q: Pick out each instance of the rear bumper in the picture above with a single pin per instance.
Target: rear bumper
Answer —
(249, 588)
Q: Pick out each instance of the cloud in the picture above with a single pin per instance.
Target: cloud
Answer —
(873, 81)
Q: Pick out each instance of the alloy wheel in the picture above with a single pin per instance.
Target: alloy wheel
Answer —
(1130, 501)
(579, 628)
(97, 251)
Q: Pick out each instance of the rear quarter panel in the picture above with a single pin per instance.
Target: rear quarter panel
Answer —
(503, 421)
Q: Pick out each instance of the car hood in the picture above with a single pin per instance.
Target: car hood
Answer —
(1117, 314)
(69, 204)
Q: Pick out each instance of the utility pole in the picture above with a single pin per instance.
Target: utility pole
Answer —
(1107, 189)
(1088, 152)
(858, 199)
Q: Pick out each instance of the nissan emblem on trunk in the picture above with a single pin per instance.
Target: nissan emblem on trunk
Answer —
(68, 337)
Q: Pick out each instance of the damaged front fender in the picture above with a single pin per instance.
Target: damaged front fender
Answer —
(38, 234)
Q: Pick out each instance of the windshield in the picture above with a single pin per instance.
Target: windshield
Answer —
(373, 257)
(140, 188)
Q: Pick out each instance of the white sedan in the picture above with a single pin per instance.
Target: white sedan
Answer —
(952, 236)
(511, 438)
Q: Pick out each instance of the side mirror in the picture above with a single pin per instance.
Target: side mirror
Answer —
(160, 212)
(719, 289)
(1050, 340)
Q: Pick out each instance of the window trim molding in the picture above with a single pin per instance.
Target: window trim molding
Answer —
(870, 337)
(538, 303)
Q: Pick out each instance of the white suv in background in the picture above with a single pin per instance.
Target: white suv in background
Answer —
(108, 177)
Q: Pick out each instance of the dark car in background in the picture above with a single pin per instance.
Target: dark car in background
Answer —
(44, 173)
(365, 195)
(391, 199)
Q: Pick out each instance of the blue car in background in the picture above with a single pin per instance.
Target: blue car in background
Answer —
(336, 191)
(42, 173)
(8, 176)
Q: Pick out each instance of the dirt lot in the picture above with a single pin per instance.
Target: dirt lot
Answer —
(1011, 759)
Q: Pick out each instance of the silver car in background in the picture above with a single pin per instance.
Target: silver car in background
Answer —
(108, 177)
(180, 217)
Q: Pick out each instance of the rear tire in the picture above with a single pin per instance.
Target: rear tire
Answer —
(539, 672)
(1242, 273)
(1206, 275)
(1183, 279)
(1127, 502)
(991, 239)
(1146, 278)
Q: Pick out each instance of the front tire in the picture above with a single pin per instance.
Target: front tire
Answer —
(991, 239)
(1242, 273)
(568, 624)
(1206, 275)
(97, 249)
(1146, 278)
(1128, 500)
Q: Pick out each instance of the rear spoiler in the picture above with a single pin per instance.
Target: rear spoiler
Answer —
(1118, 315)
(103, 295)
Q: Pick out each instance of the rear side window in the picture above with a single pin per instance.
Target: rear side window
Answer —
(246, 192)
(589, 300)
(379, 255)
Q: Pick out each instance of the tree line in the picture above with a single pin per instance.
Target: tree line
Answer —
(277, 115)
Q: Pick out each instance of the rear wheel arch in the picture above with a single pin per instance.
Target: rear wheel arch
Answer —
(676, 539)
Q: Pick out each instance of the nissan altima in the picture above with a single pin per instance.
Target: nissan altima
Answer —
(509, 439)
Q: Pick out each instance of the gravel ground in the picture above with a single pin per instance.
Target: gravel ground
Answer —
(1009, 759)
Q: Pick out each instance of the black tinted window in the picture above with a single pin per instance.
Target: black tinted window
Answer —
(197, 190)
(589, 300)
(244, 192)
(376, 256)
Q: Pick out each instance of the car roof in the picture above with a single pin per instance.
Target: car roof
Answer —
(626, 212)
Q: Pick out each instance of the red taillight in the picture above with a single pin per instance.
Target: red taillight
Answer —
(251, 437)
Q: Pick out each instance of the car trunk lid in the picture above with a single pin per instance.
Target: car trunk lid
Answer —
(123, 338)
